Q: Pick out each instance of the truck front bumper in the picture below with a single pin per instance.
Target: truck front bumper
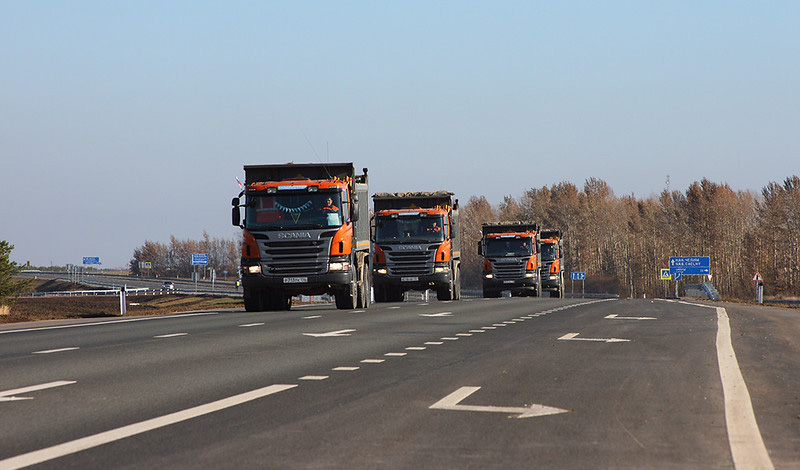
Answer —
(421, 282)
(514, 285)
(307, 284)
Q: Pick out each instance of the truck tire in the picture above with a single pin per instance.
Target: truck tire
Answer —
(252, 301)
(457, 285)
(445, 293)
(347, 297)
(491, 294)
(364, 290)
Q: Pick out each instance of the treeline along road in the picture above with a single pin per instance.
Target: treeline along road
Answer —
(478, 383)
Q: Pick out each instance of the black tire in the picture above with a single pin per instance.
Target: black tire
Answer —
(364, 290)
(252, 301)
(347, 297)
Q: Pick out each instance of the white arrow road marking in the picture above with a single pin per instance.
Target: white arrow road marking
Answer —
(451, 402)
(330, 334)
(574, 337)
(443, 314)
(614, 316)
(71, 447)
(8, 395)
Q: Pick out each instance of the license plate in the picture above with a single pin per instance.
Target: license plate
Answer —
(409, 279)
(508, 282)
(295, 280)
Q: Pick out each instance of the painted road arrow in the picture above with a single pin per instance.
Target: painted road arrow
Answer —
(8, 395)
(451, 402)
(330, 334)
(574, 337)
(614, 316)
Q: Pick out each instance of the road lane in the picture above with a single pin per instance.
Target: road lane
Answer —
(654, 401)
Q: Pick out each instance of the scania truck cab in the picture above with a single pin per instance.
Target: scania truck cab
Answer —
(552, 251)
(303, 234)
(511, 260)
(416, 245)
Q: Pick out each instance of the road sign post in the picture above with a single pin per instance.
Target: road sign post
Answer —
(579, 276)
(759, 287)
(198, 259)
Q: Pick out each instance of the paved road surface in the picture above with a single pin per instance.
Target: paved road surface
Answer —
(495, 383)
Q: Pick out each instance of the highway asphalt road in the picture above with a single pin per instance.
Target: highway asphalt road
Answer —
(485, 383)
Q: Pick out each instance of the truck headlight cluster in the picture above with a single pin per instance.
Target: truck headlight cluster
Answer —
(255, 269)
(533, 274)
(381, 271)
(339, 266)
(441, 269)
(489, 276)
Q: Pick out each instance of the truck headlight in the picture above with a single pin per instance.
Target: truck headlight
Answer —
(381, 271)
(533, 274)
(553, 278)
(255, 269)
(339, 266)
(441, 269)
(489, 276)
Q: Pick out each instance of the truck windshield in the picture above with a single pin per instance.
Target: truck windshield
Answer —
(499, 247)
(549, 252)
(295, 209)
(409, 229)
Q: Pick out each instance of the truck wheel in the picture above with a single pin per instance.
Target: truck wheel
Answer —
(364, 289)
(445, 293)
(347, 298)
(252, 301)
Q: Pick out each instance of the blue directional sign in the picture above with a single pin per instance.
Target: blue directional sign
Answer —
(199, 259)
(91, 260)
(578, 276)
(690, 265)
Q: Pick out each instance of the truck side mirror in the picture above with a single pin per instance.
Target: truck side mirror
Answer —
(236, 216)
(480, 248)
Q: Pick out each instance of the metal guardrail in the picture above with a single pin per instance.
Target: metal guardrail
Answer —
(81, 293)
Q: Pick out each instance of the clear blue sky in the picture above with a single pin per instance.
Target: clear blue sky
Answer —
(122, 122)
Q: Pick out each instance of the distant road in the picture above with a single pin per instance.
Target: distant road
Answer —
(486, 383)
(154, 283)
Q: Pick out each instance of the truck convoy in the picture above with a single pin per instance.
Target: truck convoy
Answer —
(552, 262)
(511, 259)
(306, 231)
(416, 245)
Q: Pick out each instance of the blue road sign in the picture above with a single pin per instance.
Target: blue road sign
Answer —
(578, 276)
(199, 259)
(91, 260)
(689, 265)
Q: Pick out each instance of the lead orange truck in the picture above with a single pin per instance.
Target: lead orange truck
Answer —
(416, 245)
(305, 231)
(511, 259)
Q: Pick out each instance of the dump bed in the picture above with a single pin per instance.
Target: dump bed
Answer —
(509, 227)
(550, 233)
(412, 200)
(298, 171)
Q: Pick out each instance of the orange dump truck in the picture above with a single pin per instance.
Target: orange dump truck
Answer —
(511, 260)
(552, 253)
(306, 231)
(416, 245)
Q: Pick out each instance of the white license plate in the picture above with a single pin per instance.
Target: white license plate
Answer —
(409, 279)
(295, 280)
(508, 282)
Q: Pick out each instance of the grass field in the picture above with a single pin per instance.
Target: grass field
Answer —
(54, 308)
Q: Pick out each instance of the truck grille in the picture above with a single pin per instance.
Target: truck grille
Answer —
(508, 268)
(296, 257)
(408, 262)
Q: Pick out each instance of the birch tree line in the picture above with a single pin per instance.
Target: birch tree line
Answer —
(628, 240)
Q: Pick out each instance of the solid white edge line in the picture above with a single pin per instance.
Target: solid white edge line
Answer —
(747, 445)
(67, 448)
